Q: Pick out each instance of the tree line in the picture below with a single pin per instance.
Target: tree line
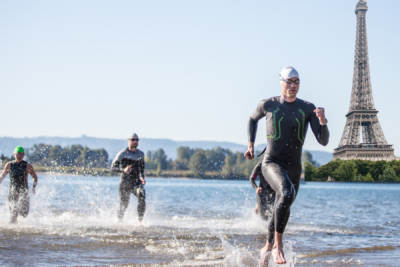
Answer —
(199, 161)
(218, 161)
(69, 156)
(354, 170)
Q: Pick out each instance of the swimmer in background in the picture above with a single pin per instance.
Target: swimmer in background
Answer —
(18, 194)
(265, 195)
(288, 118)
(130, 163)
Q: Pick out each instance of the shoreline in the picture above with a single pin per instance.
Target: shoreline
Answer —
(153, 176)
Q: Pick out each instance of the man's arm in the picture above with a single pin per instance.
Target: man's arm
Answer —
(116, 164)
(5, 171)
(252, 128)
(32, 172)
(253, 176)
(318, 125)
(142, 166)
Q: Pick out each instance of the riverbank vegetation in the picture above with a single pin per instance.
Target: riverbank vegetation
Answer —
(216, 163)
(354, 170)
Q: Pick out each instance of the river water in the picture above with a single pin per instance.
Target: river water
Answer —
(72, 222)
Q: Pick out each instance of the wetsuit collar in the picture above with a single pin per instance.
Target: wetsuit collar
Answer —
(127, 149)
(282, 101)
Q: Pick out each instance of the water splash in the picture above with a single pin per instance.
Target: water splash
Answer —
(241, 257)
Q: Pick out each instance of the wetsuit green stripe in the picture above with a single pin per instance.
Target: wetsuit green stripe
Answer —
(274, 119)
(279, 125)
(299, 130)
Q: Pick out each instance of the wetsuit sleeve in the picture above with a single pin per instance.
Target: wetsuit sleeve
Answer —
(254, 175)
(116, 164)
(253, 121)
(142, 165)
(321, 132)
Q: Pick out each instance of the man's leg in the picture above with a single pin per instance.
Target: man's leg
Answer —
(23, 203)
(262, 202)
(13, 197)
(124, 196)
(140, 193)
(285, 193)
(271, 236)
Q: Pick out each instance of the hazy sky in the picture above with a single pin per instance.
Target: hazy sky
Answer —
(185, 70)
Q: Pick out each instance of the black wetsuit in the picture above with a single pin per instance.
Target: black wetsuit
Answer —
(266, 198)
(287, 124)
(18, 195)
(130, 182)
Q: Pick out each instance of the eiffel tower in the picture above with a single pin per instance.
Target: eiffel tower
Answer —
(362, 115)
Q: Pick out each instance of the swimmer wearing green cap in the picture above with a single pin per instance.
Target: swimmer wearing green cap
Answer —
(18, 195)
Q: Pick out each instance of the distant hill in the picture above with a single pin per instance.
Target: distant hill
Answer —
(113, 146)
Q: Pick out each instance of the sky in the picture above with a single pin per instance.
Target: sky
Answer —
(185, 70)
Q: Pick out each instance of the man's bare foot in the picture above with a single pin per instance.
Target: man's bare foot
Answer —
(256, 209)
(267, 248)
(277, 254)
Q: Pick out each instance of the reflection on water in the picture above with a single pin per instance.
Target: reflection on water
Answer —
(198, 223)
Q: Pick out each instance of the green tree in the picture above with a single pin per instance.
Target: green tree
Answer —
(160, 155)
(159, 169)
(55, 155)
(328, 169)
(228, 168)
(359, 178)
(216, 158)
(346, 171)
(363, 166)
(377, 169)
(38, 153)
(395, 164)
(388, 175)
(183, 155)
(309, 171)
(307, 157)
(368, 178)
(198, 163)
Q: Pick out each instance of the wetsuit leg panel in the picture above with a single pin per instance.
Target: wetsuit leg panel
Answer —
(24, 203)
(13, 197)
(140, 193)
(280, 181)
(262, 201)
(124, 196)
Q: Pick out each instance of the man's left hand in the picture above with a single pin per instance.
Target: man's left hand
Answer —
(143, 181)
(320, 113)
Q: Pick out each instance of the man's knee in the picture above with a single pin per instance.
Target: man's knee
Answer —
(288, 196)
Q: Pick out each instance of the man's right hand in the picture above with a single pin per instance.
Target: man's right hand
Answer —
(258, 190)
(128, 169)
(250, 152)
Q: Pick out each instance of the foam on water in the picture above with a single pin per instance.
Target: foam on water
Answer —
(241, 257)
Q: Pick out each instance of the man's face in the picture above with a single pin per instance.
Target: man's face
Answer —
(19, 156)
(290, 90)
(134, 142)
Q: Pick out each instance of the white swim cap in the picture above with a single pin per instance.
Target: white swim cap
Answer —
(289, 72)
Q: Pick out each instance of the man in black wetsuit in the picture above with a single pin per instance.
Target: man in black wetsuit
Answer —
(18, 194)
(130, 162)
(265, 195)
(287, 121)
